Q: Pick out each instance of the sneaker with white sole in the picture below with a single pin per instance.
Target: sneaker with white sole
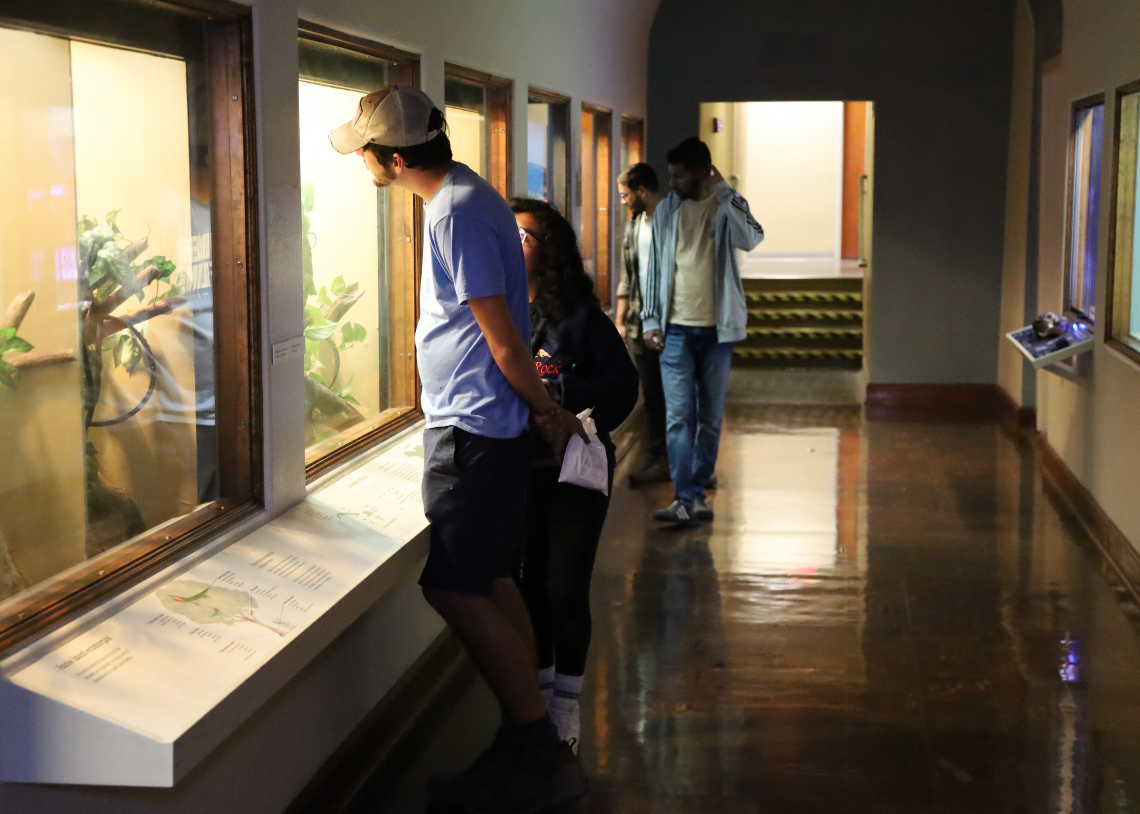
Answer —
(567, 718)
(701, 509)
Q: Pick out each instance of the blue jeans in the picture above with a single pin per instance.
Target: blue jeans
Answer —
(694, 373)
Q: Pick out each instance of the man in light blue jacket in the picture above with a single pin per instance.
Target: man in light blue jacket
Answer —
(693, 311)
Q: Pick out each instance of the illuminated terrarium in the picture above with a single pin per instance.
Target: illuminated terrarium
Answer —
(345, 247)
(106, 343)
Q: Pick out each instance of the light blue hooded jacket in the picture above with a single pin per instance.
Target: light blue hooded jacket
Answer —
(733, 228)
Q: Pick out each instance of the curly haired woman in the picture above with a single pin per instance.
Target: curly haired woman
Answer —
(584, 362)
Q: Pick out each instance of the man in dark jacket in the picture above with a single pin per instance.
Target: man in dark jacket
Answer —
(639, 191)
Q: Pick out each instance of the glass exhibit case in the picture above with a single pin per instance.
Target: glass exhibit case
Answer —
(109, 346)
(477, 109)
(1084, 208)
(1124, 295)
(547, 148)
(595, 193)
(358, 269)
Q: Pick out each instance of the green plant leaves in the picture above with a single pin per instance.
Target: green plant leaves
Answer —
(307, 198)
(10, 343)
(125, 351)
(8, 374)
(352, 332)
(320, 331)
(344, 391)
(338, 286)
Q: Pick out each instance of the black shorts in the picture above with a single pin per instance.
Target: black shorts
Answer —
(474, 491)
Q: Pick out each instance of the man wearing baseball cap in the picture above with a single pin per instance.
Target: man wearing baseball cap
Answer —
(479, 388)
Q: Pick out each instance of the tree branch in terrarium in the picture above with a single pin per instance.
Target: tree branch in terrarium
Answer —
(18, 309)
(329, 403)
(335, 310)
(42, 358)
(19, 351)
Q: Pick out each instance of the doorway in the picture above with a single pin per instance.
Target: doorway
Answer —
(806, 170)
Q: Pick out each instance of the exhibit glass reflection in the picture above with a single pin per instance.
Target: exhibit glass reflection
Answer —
(344, 256)
(1084, 208)
(107, 348)
(1126, 251)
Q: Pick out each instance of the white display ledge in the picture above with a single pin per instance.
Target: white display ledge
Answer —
(157, 683)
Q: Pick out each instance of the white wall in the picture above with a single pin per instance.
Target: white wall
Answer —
(789, 158)
(1093, 425)
(590, 50)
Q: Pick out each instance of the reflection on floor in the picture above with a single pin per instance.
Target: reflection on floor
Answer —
(799, 267)
(883, 618)
(837, 388)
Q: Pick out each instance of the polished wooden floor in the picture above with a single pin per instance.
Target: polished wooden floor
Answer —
(884, 617)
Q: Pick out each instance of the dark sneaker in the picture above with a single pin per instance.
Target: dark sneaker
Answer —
(701, 509)
(452, 788)
(656, 471)
(540, 779)
(675, 512)
(711, 483)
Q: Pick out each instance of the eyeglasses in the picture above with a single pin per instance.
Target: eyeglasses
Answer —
(524, 234)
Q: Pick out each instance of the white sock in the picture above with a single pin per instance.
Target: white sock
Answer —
(568, 687)
(546, 684)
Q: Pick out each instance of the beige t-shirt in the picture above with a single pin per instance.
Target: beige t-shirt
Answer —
(693, 302)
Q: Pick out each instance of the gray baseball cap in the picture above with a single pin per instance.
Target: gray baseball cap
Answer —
(393, 116)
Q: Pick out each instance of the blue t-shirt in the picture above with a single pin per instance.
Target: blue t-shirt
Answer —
(471, 250)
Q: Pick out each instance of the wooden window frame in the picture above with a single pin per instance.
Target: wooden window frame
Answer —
(499, 118)
(1121, 230)
(237, 347)
(1077, 107)
(560, 127)
(404, 259)
(602, 238)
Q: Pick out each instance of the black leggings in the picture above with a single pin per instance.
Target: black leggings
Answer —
(563, 525)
